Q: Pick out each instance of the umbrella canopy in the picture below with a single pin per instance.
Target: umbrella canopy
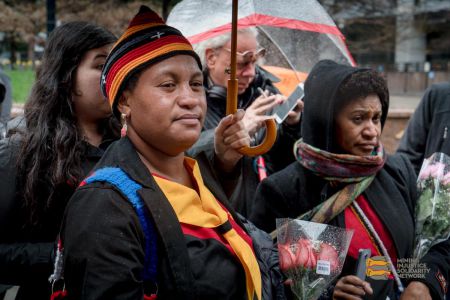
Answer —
(296, 34)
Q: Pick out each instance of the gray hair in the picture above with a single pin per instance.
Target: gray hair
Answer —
(218, 42)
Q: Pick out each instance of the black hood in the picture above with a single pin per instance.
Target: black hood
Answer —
(320, 101)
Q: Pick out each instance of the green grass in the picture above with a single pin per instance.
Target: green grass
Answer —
(21, 80)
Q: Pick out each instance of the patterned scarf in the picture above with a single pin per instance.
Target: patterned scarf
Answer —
(202, 210)
(357, 171)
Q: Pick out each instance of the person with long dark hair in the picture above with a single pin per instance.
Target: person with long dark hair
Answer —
(68, 127)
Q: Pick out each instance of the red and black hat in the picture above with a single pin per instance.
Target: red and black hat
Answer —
(146, 41)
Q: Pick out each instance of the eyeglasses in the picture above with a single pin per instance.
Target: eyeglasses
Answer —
(243, 59)
(248, 56)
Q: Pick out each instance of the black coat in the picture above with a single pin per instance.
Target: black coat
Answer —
(104, 243)
(392, 195)
(27, 252)
(276, 159)
(428, 129)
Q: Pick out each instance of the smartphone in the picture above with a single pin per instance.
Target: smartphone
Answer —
(364, 254)
(281, 111)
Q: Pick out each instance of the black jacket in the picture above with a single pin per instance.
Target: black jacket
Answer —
(392, 194)
(296, 190)
(276, 159)
(428, 129)
(104, 243)
(26, 252)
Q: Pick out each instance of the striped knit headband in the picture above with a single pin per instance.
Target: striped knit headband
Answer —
(146, 41)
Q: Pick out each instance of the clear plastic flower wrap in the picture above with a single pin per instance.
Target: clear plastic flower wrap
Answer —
(311, 255)
(433, 205)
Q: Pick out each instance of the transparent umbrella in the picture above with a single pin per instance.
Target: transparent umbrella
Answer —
(295, 33)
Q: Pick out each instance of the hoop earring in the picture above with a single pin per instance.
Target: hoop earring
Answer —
(123, 131)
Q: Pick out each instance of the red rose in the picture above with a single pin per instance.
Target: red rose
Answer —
(287, 258)
(306, 255)
(329, 253)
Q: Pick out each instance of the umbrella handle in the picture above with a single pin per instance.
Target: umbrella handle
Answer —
(232, 93)
(271, 128)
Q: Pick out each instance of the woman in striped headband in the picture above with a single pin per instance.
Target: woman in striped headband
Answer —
(150, 222)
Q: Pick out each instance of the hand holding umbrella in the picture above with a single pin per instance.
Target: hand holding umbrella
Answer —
(232, 93)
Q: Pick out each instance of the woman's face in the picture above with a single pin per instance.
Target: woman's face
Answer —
(89, 103)
(358, 126)
(166, 108)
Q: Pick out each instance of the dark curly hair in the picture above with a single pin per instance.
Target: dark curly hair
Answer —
(360, 85)
(49, 166)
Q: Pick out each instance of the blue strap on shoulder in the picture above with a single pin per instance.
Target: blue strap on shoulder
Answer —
(128, 187)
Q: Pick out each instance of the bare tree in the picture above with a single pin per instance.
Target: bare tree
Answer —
(20, 20)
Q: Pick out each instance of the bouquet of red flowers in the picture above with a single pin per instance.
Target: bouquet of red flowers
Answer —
(433, 205)
(311, 255)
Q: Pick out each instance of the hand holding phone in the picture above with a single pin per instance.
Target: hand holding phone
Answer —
(282, 110)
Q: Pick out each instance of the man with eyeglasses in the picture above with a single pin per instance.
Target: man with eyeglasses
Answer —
(258, 97)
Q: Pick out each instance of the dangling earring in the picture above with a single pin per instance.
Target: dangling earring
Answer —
(123, 131)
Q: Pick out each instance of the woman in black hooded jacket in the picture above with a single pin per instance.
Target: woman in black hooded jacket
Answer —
(341, 161)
